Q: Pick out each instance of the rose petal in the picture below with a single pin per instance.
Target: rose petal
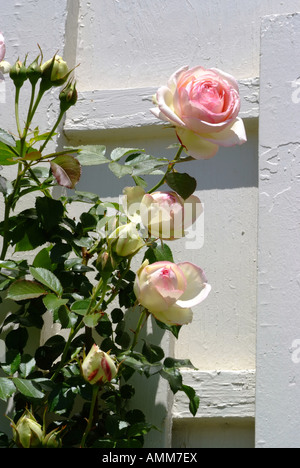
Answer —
(226, 76)
(132, 202)
(203, 127)
(195, 145)
(197, 287)
(2, 47)
(165, 103)
(173, 80)
(175, 316)
(230, 136)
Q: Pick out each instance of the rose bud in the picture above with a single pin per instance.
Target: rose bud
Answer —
(5, 67)
(53, 439)
(125, 240)
(27, 432)
(34, 72)
(98, 367)
(2, 47)
(169, 291)
(132, 203)
(18, 74)
(55, 72)
(166, 215)
(203, 106)
(68, 96)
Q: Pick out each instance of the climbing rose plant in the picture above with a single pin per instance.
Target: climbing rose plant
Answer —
(76, 389)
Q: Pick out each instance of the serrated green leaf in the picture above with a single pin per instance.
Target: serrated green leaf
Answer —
(23, 290)
(80, 307)
(6, 187)
(183, 184)
(92, 155)
(174, 378)
(42, 259)
(144, 164)
(119, 170)
(92, 320)
(7, 156)
(27, 366)
(119, 153)
(48, 279)
(49, 211)
(152, 353)
(159, 253)
(52, 302)
(7, 388)
(28, 388)
(7, 138)
(193, 397)
(172, 362)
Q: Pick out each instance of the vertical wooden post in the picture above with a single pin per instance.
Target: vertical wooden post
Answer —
(278, 320)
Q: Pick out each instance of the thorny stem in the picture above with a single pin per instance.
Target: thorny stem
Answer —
(91, 415)
(142, 320)
(52, 131)
(17, 110)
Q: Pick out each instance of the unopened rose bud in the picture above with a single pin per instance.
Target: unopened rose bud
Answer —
(98, 367)
(34, 72)
(27, 432)
(5, 67)
(53, 439)
(106, 264)
(125, 240)
(18, 73)
(166, 215)
(55, 72)
(68, 96)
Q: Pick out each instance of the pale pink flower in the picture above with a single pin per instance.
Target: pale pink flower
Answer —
(166, 215)
(169, 291)
(203, 105)
(2, 47)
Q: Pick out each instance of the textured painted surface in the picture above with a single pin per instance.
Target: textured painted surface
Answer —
(108, 111)
(224, 394)
(278, 332)
(137, 43)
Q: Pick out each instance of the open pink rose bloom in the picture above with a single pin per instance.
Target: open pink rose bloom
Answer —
(169, 290)
(203, 105)
(2, 47)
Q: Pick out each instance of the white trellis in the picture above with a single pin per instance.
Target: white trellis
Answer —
(246, 339)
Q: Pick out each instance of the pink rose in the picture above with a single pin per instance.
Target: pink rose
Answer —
(2, 47)
(203, 105)
(166, 215)
(169, 291)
